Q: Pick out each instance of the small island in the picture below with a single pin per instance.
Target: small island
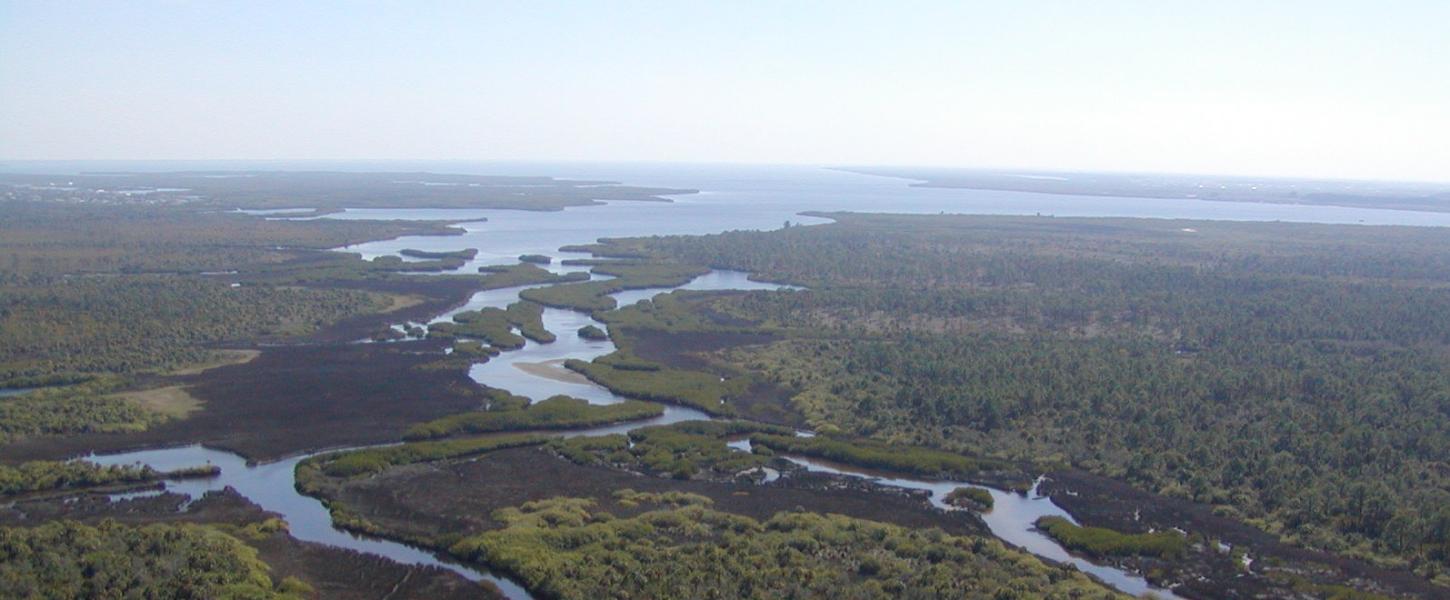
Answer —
(455, 254)
(590, 332)
(537, 259)
(976, 499)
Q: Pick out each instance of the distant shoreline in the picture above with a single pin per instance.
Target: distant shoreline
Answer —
(1301, 192)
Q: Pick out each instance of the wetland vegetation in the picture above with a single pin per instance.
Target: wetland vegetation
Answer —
(557, 412)
(571, 548)
(1100, 541)
(636, 378)
(691, 449)
(1288, 377)
(1293, 377)
(496, 326)
(627, 275)
(111, 560)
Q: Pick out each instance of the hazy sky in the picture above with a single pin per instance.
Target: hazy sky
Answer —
(1315, 88)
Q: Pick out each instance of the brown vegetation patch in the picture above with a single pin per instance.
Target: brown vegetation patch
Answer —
(435, 295)
(686, 350)
(293, 399)
(171, 401)
(397, 302)
(220, 358)
(1097, 501)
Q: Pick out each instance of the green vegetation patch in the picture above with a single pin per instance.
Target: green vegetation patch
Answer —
(976, 499)
(566, 548)
(102, 325)
(558, 412)
(45, 476)
(474, 349)
(369, 461)
(592, 332)
(80, 408)
(630, 376)
(629, 498)
(65, 559)
(592, 296)
(495, 326)
(873, 455)
(691, 449)
(460, 255)
(691, 311)
(589, 296)
(1100, 541)
(525, 274)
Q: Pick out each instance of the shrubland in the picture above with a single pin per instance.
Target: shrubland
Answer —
(569, 548)
(1294, 376)
(65, 559)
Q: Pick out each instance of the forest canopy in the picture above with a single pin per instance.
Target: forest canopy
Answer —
(1295, 376)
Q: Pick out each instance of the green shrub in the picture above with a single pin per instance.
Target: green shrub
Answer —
(1100, 541)
(568, 548)
(558, 412)
(591, 332)
(65, 559)
(976, 499)
(682, 450)
(861, 453)
(39, 476)
(368, 461)
(593, 296)
(629, 376)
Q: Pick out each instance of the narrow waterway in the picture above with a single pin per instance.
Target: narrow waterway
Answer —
(1012, 518)
(272, 486)
(536, 371)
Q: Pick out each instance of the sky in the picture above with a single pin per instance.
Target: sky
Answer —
(1355, 90)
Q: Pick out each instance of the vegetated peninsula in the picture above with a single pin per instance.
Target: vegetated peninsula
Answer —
(1273, 190)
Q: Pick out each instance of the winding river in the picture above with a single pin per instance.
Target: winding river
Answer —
(536, 371)
(763, 199)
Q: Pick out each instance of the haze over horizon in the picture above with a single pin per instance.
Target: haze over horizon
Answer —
(1337, 90)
